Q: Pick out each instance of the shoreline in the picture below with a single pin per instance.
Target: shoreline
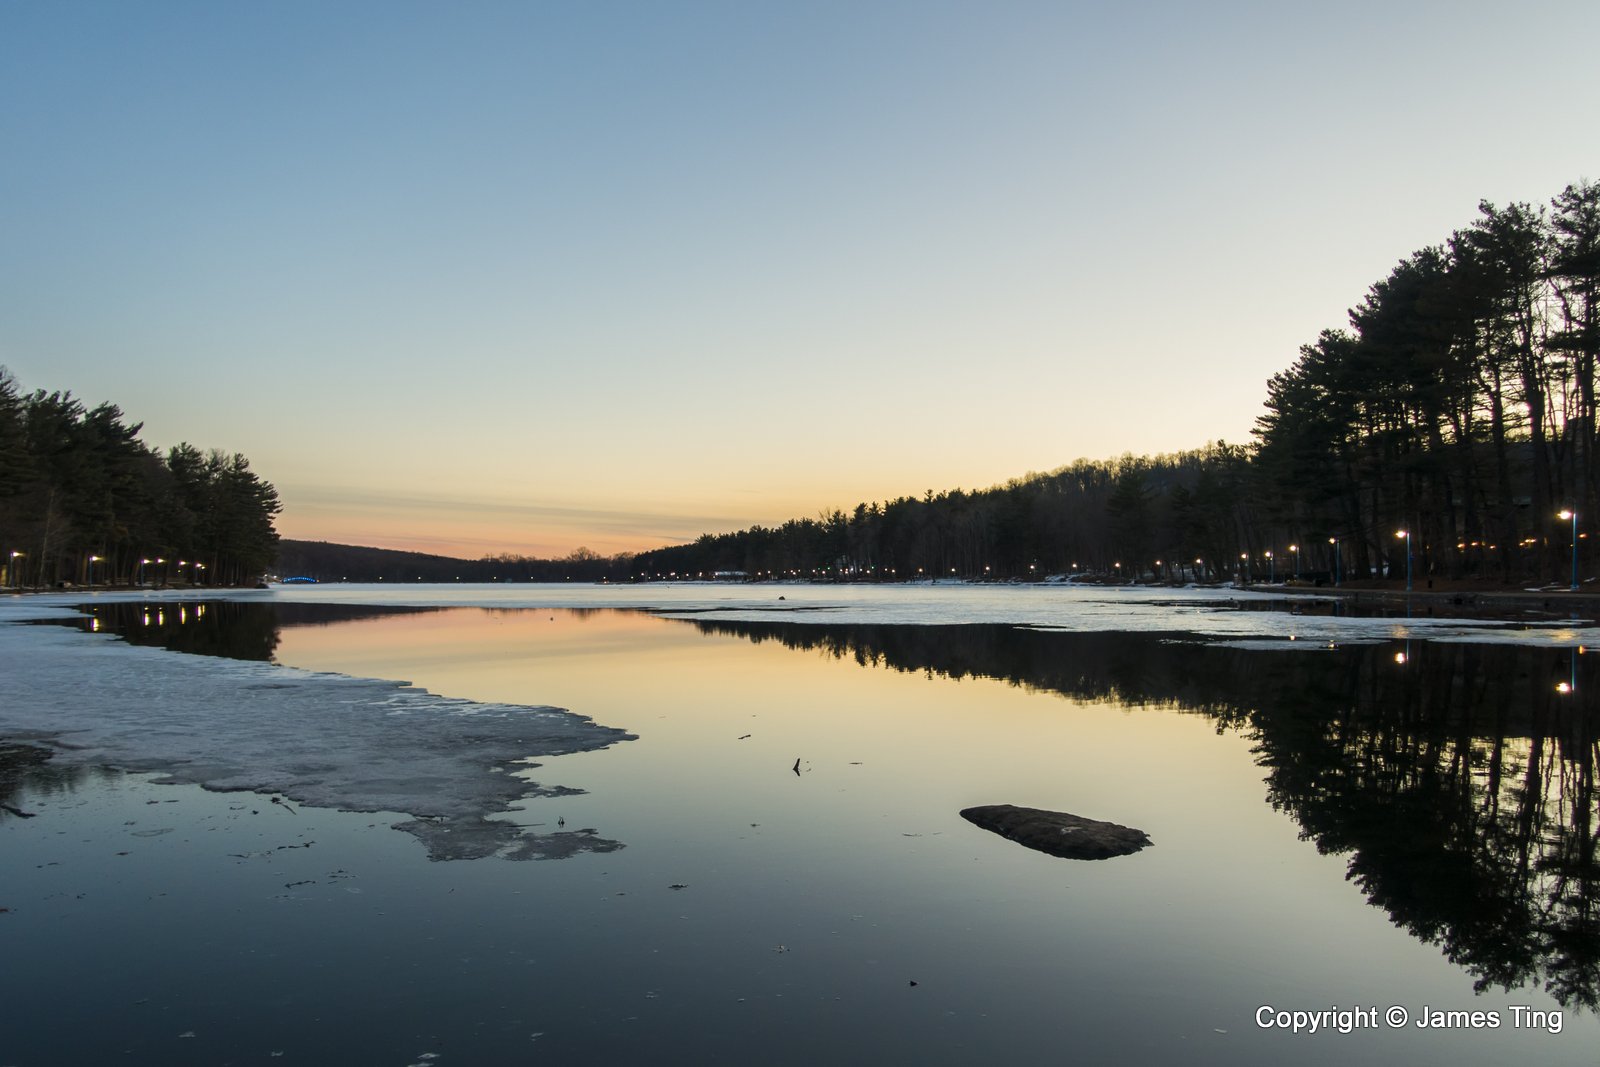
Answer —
(1346, 613)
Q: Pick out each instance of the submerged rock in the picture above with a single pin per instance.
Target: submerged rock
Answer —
(1057, 832)
(479, 838)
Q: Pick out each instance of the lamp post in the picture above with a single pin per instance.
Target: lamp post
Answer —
(1407, 535)
(1296, 550)
(16, 583)
(1244, 569)
(1573, 515)
(1334, 541)
(92, 561)
(1272, 570)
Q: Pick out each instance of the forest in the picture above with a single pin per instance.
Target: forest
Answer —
(84, 501)
(324, 561)
(1449, 426)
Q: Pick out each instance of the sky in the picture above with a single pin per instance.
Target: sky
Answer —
(518, 277)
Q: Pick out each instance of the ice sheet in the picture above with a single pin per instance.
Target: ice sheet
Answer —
(1227, 614)
(326, 740)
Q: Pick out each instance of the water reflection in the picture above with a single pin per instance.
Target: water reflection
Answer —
(26, 766)
(231, 630)
(1459, 778)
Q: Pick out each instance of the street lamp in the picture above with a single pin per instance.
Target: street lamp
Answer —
(16, 583)
(1272, 570)
(1334, 541)
(1407, 535)
(1296, 550)
(142, 563)
(1573, 515)
(1244, 569)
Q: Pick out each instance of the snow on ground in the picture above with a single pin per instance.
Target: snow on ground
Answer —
(325, 740)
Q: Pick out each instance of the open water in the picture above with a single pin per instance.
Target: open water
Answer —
(1381, 822)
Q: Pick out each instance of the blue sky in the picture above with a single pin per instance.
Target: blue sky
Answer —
(519, 277)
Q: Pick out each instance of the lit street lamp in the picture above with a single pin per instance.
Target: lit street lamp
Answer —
(1407, 535)
(16, 583)
(1573, 515)
(92, 561)
(1296, 550)
(1272, 570)
(1334, 541)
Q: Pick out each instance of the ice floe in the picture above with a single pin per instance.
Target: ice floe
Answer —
(325, 740)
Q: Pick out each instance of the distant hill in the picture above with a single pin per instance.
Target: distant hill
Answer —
(325, 561)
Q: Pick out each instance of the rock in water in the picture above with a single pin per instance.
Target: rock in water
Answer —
(1057, 832)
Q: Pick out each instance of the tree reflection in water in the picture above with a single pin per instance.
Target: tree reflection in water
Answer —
(1459, 778)
(230, 629)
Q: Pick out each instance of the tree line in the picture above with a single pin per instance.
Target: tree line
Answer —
(325, 561)
(84, 501)
(1453, 421)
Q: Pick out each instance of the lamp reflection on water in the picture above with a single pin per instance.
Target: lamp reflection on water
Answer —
(1570, 685)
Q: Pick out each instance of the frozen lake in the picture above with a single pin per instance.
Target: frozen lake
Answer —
(1383, 812)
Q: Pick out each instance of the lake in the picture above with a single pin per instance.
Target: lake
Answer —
(766, 861)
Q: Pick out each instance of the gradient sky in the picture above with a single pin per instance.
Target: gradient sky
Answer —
(518, 277)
